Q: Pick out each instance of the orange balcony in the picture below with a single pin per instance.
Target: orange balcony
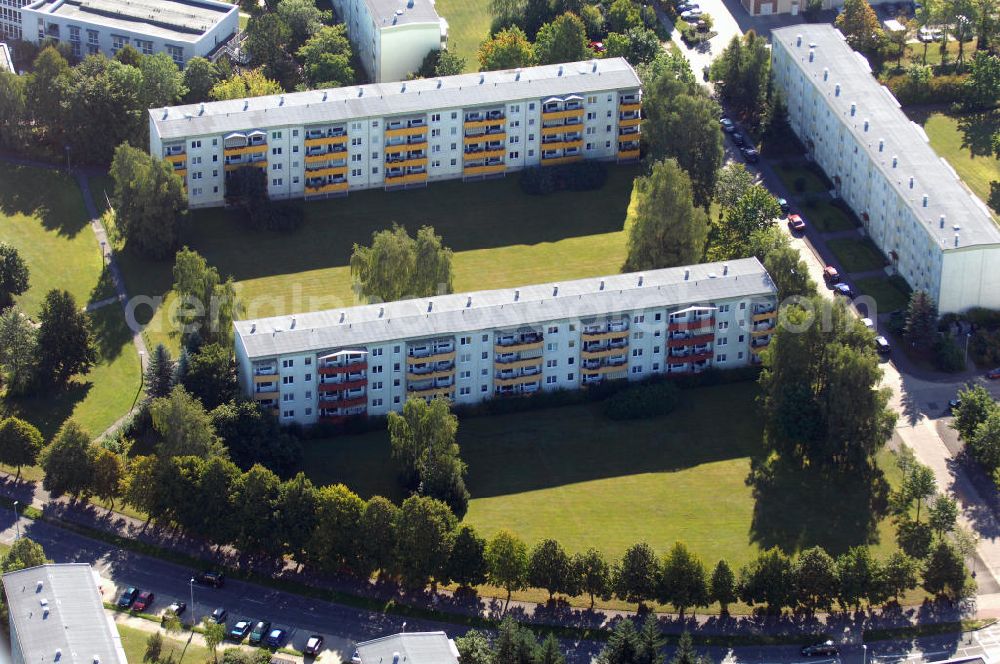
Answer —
(347, 368)
(628, 154)
(330, 170)
(406, 131)
(324, 157)
(409, 178)
(554, 161)
(246, 149)
(598, 354)
(607, 369)
(327, 188)
(561, 129)
(680, 326)
(624, 107)
(176, 158)
(414, 161)
(181, 171)
(629, 122)
(519, 380)
(767, 315)
(484, 170)
(431, 394)
(562, 115)
(484, 138)
(578, 143)
(405, 147)
(478, 124)
(485, 154)
(326, 140)
(256, 164)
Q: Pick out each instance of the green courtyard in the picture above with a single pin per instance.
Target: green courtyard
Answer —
(468, 25)
(966, 141)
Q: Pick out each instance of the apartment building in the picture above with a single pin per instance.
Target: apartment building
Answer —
(936, 234)
(325, 143)
(6, 61)
(183, 29)
(392, 37)
(793, 7)
(10, 19)
(326, 366)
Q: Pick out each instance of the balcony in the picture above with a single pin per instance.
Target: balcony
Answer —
(327, 188)
(555, 161)
(761, 330)
(348, 384)
(599, 353)
(767, 314)
(246, 149)
(486, 138)
(328, 170)
(326, 140)
(562, 115)
(265, 395)
(484, 170)
(177, 158)
(561, 129)
(446, 354)
(406, 147)
(516, 343)
(345, 402)
(629, 122)
(409, 178)
(628, 154)
(406, 131)
(680, 326)
(336, 369)
(446, 392)
(485, 123)
(267, 370)
(517, 380)
(473, 153)
(607, 369)
(410, 162)
(701, 356)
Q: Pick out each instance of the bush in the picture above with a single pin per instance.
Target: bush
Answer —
(799, 184)
(942, 89)
(984, 347)
(981, 317)
(582, 176)
(641, 402)
(948, 356)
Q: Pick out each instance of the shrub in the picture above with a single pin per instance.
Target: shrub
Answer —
(640, 402)
(942, 89)
(583, 176)
(948, 356)
(799, 184)
(984, 347)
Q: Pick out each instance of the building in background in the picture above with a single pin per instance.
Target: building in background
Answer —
(6, 61)
(326, 366)
(793, 7)
(182, 29)
(407, 648)
(392, 37)
(327, 142)
(57, 615)
(10, 19)
(936, 234)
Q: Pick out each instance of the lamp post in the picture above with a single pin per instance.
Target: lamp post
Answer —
(104, 254)
(864, 654)
(193, 612)
(17, 522)
(968, 335)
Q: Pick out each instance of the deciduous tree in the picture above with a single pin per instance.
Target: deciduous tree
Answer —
(682, 580)
(251, 83)
(13, 274)
(594, 573)
(722, 587)
(20, 443)
(184, 426)
(18, 351)
(211, 375)
(861, 26)
(768, 580)
(326, 57)
(426, 532)
(68, 461)
(254, 435)
(549, 568)
(65, 342)
(508, 49)
(378, 534)
(467, 561)
(149, 201)
(636, 574)
(816, 581)
(507, 562)
(200, 76)
(562, 40)
(336, 540)
(899, 574)
(860, 577)
(397, 266)
(945, 573)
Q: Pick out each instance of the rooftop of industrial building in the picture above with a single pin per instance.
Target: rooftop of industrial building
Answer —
(172, 20)
(384, 99)
(904, 141)
(408, 648)
(508, 308)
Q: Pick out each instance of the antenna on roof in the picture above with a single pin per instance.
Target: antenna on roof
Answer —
(324, 95)
(246, 104)
(201, 109)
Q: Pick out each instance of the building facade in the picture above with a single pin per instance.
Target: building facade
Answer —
(793, 7)
(328, 142)
(329, 365)
(182, 29)
(935, 233)
(392, 37)
(10, 19)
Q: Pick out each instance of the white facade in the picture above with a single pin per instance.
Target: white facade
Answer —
(935, 232)
(325, 143)
(392, 37)
(10, 19)
(6, 62)
(468, 347)
(182, 29)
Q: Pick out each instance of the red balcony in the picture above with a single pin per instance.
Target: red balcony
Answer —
(345, 385)
(347, 368)
(698, 357)
(681, 326)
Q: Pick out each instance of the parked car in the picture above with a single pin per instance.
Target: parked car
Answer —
(127, 597)
(691, 14)
(239, 631)
(687, 6)
(830, 275)
(701, 26)
(993, 374)
(219, 615)
(314, 644)
(727, 125)
(598, 47)
(177, 608)
(795, 224)
(259, 631)
(275, 638)
(211, 578)
(868, 322)
(738, 138)
(750, 154)
(954, 403)
(783, 204)
(825, 649)
(882, 346)
(927, 34)
(843, 289)
(143, 601)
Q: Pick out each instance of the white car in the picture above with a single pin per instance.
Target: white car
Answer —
(691, 14)
(867, 322)
(927, 34)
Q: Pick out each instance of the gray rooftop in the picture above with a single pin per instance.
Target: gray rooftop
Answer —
(507, 308)
(383, 99)
(386, 13)
(177, 20)
(905, 140)
(411, 648)
(58, 608)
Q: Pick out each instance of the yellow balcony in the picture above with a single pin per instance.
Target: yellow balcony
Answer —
(562, 115)
(484, 138)
(258, 164)
(623, 107)
(326, 140)
(762, 332)
(486, 154)
(414, 378)
(326, 156)
(405, 131)
(601, 336)
(484, 170)
(406, 179)
(561, 129)
(414, 161)
(756, 349)
(332, 170)
(598, 354)
(578, 143)
(629, 122)
(519, 380)
(477, 124)
(327, 188)
(439, 357)
(405, 147)
(621, 368)
(628, 154)
(519, 364)
(264, 396)
(181, 172)
(430, 394)
(176, 158)
(764, 316)
(266, 378)
(555, 161)
(519, 348)
(248, 149)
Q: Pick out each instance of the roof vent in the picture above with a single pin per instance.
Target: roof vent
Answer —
(593, 65)
(430, 306)
(292, 326)
(925, 200)
(517, 74)
(482, 79)
(687, 272)
(640, 280)
(324, 95)
(468, 303)
(439, 83)
(409, 4)
(911, 182)
(555, 290)
(58, 654)
(201, 108)
(403, 89)
(41, 584)
(826, 73)
(246, 104)
(560, 70)
(866, 125)
(881, 144)
(97, 659)
(941, 221)
(895, 161)
(253, 328)
(602, 285)
(381, 312)
(956, 239)
(517, 295)
(836, 90)
(854, 108)
(798, 40)
(361, 92)
(166, 112)
(281, 100)
(725, 269)
(343, 316)
(395, 658)
(44, 602)
(812, 54)
(956, 228)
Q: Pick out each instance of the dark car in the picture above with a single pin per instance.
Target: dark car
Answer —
(738, 138)
(143, 601)
(831, 276)
(275, 638)
(843, 289)
(882, 346)
(219, 615)
(993, 374)
(728, 125)
(127, 597)
(313, 645)
(954, 403)
(239, 631)
(795, 224)
(259, 631)
(825, 649)
(210, 578)
(177, 608)
(783, 204)
(750, 154)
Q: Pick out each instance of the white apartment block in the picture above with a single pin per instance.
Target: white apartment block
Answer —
(935, 232)
(6, 62)
(392, 37)
(325, 143)
(182, 29)
(326, 366)
(10, 19)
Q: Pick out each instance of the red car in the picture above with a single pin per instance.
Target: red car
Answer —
(993, 374)
(795, 223)
(143, 601)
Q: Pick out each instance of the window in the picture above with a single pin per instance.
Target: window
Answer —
(454, 146)
(464, 390)
(636, 352)
(484, 372)
(531, 106)
(465, 341)
(377, 369)
(375, 124)
(435, 133)
(483, 388)
(395, 367)
(637, 370)
(724, 325)
(377, 385)
(551, 363)
(275, 150)
(658, 317)
(376, 403)
(720, 358)
(395, 382)
(287, 364)
(569, 376)
(196, 191)
(376, 352)
(176, 53)
(531, 137)
(195, 145)
(287, 380)
(486, 355)
(144, 46)
(395, 349)
(374, 156)
(454, 131)
(453, 162)
(465, 374)
(723, 308)
(355, 172)
(288, 413)
(435, 148)
(395, 399)
(288, 397)
(454, 115)
(309, 377)
(309, 411)
(118, 42)
(92, 37)
(436, 117)
(514, 155)
(276, 182)
(741, 338)
(464, 357)
(375, 171)
(571, 360)
(551, 346)
(722, 341)
(549, 380)
(554, 329)
(355, 141)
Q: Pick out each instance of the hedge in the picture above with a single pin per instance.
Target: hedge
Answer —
(581, 176)
(943, 89)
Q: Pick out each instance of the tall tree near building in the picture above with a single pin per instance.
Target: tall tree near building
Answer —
(252, 83)
(637, 45)
(861, 26)
(14, 123)
(733, 183)
(815, 578)
(768, 580)
(621, 16)
(184, 426)
(507, 563)
(296, 514)
(594, 574)
(211, 375)
(159, 374)
(984, 445)
(467, 561)
(682, 582)
(255, 496)
(200, 76)
(13, 275)
(549, 568)
(975, 404)
(921, 321)
(20, 443)
(208, 305)
(65, 342)
(162, 81)
(755, 210)
(326, 58)
(109, 475)
(722, 586)
(508, 49)
(254, 435)
(562, 40)
(46, 87)
(742, 76)
(943, 514)
(982, 87)
(68, 461)
(103, 108)
(789, 273)
(918, 485)
(378, 534)
(18, 351)
(303, 18)
(397, 266)
(336, 541)
(149, 202)
(665, 229)
(636, 573)
(267, 41)
(426, 531)
(899, 574)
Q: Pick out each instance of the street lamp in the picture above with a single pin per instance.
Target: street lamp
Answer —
(864, 654)
(968, 335)
(17, 522)
(193, 612)
(104, 254)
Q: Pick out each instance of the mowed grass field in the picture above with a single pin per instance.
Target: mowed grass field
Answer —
(174, 650)
(468, 25)
(966, 142)
(42, 214)
(501, 237)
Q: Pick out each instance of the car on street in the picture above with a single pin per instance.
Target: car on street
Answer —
(687, 6)
(750, 154)
(259, 631)
(211, 578)
(143, 601)
(239, 631)
(830, 275)
(843, 289)
(882, 346)
(868, 322)
(954, 403)
(313, 645)
(127, 597)
(691, 14)
(738, 138)
(993, 374)
(825, 649)
(795, 224)
(219, 615)
(727, 125)
(598, 47)
(275, 638)
(928, 34)
(783, 204)
(177, 608)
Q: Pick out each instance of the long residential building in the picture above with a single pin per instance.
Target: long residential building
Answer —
(936, 234)
(182, 29)
(325, 143)
(330, 365)
(10, 19)
(392, 37)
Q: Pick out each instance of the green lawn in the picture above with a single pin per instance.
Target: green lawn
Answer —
(800, 180)
(857, 255)
(966, 142)
(134, 642)
(915, 52)
(826, 217)
(890, 293)
(501, 237)
(468, 26)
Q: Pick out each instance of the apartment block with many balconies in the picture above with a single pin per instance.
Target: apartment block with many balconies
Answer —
(325, 143)
(327, 366)
(936, 234)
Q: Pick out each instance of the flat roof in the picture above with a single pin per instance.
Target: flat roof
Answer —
(409, 648)
(386, 13)
(385, 99)
(58, 609)
(176, 20)
(904, 140)
(507, 308)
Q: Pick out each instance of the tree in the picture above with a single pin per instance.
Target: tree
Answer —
(860, 577)
(789, 272)
(943, 514)
(562, 40)
(636, 574)
(861, 26)
(984, 446)
(162, 81)
(733, 182)
(621, 16)
(742, 77)
(206, 304)
(756, 210)
(682, 580)
(623, 645)
(200, 76)
(20, 443)
(467, 561)
(251, 83)
(13, 275)
(159, 374)
(815, 577)
(448, 63)
(637, 45)
(214, 633)
(549, 568)
(594, 20)
(508, 49)
(982, 87)
(507, 562)
(154, 646)
(515, 643)
(650, 642)
(18, 351)
(211, 375)
(974, 405)
(548, 651)
(14, 114)
(593, 573)
(336, 542)
(268, 40)
(45, 87)
(921, 321)
(918, 484)
(397, 266)
(68, 461)
(23, 554)
(149, 202)
(378, 535)
(945, 573)
(303, 18)
(109, 475)
(103, 108)
(255, 496)
(686, 653)
(899, 574)
(474, 648)
(254, 435)
(426, 533)
(768, 579)
(65, 343)
(665, 229)
(184, 426)
(295, 512)
(722, 586)
(326, 58)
